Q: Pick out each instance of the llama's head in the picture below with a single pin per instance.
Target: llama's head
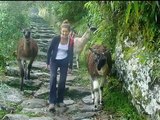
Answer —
(27, 33)
(100, 56)
(73, 32)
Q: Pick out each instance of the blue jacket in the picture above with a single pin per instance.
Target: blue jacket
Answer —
(53, 48)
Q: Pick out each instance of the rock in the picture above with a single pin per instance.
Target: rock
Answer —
(42, 54)
(33, 83)
(87, 99)
(35, 111)
(69, 102)
(10, 94)
(87, 108)
(5, 107)
(12, 71)
(15, 117)
(70, 78)
(72, 109)
(34, 103)
(44, 40)
(61, 110)
(41, 118)
(42, 74)
(12, 81)
(42, 92)
(39, 65)
(81, 116)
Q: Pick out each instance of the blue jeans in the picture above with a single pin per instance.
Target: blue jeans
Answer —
(57, 95)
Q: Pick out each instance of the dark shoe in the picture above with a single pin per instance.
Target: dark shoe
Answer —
(51, 107)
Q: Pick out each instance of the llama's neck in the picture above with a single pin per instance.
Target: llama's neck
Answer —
(26, 45)
(85, 38)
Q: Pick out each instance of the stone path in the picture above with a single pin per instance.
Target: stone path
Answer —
(33, 102)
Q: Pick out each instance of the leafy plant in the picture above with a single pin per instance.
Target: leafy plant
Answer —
(71, 10)
(2, 113)
(117, 100)
(13, 18)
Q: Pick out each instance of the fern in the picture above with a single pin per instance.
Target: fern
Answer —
(128, 12)
(136, 8)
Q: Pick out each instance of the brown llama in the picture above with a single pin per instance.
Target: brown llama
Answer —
(80, 42)
(99, 63)
(27, 50)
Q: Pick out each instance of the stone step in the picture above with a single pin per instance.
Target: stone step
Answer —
(44, 35)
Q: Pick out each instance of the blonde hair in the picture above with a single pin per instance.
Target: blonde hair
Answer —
(66, 24)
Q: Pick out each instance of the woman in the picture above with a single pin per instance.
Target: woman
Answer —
(59, 55)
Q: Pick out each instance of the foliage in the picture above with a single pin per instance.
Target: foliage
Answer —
(12, 20)
(131, 18)
(2, 113)
(71, 10)
(117, 100)
(103, 17)
(145, 22)
(156, 69)
(82, 78)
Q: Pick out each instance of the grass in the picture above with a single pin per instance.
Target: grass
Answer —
(82, 78)
(2, 113)
(10, 108)
(118, 101)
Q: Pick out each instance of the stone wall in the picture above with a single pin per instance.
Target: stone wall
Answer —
(138, 79)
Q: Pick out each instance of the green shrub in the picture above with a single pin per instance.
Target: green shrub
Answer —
(118, 101)
(13, 18)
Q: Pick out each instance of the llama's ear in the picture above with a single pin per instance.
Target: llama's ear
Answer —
(73, 30)
(92, 50)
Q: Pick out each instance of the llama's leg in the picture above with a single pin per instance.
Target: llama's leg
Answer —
(92, 93)
(96, 93)
(77, 61)
(100, 95)
(25, 69)
(29, 68)
(101, 89)
(21, 73)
